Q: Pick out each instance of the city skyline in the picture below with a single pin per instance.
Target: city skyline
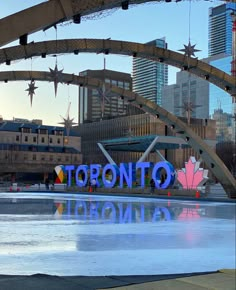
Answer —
(113, 24)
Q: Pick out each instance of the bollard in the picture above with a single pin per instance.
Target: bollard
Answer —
(197, 194)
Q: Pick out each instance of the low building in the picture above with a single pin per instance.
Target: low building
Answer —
(29, 151)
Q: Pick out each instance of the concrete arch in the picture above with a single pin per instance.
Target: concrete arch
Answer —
(208, 155)
(199, 68)
(52, 12)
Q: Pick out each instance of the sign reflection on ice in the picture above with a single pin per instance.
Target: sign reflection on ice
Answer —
(118, 212)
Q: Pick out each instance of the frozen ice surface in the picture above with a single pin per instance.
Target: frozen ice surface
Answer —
(104, 235)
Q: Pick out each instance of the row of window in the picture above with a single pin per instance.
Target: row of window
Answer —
(43, 139)
(35, 157)
(42, 131)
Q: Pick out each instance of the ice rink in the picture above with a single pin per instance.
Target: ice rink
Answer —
(73, 234)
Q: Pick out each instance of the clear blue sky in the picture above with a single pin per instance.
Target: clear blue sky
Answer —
(141, 23)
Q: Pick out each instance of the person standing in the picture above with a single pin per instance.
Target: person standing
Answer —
(94, 184)
(152, 185)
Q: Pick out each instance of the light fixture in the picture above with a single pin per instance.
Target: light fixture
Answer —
(227, 88)
(8, 62)
(200, 151)
(206, 77)
(106, 51)
(5, 81)
(212, 165)
(76, 51)
(43, 55)
(187, 138)
(184, 67)
(157, 116)
(172, 127)
(134, 54)
(125, 5)
(160, 59)
(23, 39)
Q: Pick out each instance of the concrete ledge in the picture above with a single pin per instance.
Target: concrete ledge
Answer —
(138, 190)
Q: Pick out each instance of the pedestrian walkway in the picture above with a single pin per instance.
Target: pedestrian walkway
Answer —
(220, 280)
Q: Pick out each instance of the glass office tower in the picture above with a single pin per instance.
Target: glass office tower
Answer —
(220, 29)
(149, 76)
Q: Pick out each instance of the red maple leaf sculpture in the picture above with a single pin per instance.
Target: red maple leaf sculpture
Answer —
(192, 176)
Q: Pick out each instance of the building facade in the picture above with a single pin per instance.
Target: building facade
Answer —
(98, 104)
(30, 151)
(149, 77)
(188, 89)
(138, 125)
(220, 29)
(222, 102)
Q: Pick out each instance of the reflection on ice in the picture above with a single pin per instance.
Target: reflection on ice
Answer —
(84, 235)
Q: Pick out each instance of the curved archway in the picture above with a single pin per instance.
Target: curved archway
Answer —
(213, 162)
(53, 12)
(199, 68)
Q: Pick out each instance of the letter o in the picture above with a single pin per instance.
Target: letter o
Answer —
(84, 169)
(169, 169)
(114, 175)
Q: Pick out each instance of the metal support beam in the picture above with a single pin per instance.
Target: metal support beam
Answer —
(106, 154)
(160, 155)
(149, 149)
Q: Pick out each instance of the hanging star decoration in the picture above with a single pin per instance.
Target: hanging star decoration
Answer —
(189, 50)
(56, 76)
(188, 108)
(67, 122)
(31, 90)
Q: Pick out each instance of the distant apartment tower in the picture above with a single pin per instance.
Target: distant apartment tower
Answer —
(100, 103)
(220, 29)
(149, 77)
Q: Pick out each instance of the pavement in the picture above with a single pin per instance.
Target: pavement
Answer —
(223, 279)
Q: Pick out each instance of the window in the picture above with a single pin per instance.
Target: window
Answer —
(26, 138)
(58, 133)
(17, 138)
(58, 141)
(34, 157)
(25, 130)
(50, 140)
(43, 131)
(34, 139)
(42, 139)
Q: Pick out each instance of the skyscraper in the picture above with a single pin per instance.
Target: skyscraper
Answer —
(97, 104)
(220, 29)
(220, 50)
(149, 77)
